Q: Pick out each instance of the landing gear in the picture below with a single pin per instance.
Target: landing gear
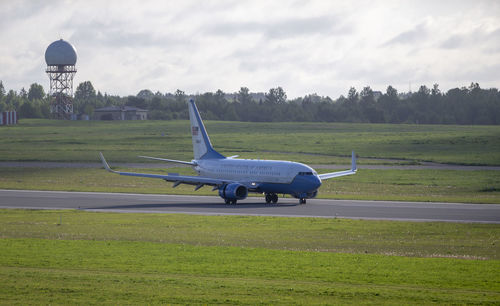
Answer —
(302, 201)
(271, 197)
(230, 201)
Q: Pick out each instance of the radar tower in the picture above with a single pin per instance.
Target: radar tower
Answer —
(60, 57)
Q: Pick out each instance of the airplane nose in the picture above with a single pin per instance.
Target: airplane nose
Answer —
(316, 181)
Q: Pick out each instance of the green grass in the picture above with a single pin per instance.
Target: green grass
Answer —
(429, 239)
(402, 185)
(115, 272)
(323, 143)
(111, 258)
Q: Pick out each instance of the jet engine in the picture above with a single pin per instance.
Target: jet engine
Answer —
(233, 192)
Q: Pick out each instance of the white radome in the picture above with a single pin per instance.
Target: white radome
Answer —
(60, 52)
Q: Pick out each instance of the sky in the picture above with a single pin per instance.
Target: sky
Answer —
(306, 47)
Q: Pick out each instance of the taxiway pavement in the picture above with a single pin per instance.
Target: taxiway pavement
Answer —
(254, 206)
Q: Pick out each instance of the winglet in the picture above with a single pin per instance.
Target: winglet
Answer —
(354, 167)
(105, 164)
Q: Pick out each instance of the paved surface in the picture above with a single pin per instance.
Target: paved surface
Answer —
(121, 202)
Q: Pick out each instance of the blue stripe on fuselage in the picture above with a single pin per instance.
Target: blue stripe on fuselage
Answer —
(301, 184)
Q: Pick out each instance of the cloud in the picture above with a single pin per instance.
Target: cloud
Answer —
(416, 35)
(282, 29)
(478, 37)
(11, 10)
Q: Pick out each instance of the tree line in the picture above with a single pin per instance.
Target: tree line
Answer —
(465, 105)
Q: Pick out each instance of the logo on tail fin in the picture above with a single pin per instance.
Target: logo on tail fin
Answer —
(202, 148)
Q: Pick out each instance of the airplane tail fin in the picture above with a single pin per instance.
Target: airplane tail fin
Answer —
(202, 147)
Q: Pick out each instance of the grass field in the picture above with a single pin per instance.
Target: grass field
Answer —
(414, 185)
(314, 143)
(61, 257)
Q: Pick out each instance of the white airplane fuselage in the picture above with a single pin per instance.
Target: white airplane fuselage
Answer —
(271, 176)
(270, 171)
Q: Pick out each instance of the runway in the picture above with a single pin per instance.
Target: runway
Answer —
(286, 207)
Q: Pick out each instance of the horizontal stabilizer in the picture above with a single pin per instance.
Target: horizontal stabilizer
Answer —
(170, 160)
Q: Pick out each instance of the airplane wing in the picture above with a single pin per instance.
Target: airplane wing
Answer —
(353, 170)
(171, 177)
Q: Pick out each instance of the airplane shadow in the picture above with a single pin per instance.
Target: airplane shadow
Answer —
(194, 205)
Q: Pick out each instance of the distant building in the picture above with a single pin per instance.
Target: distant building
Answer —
(120, 113)
(80, 117)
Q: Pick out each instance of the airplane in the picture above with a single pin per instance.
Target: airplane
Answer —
(234, 178)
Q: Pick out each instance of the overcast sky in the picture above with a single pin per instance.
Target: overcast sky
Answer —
(306, 47)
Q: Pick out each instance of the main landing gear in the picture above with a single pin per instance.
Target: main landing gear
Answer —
(302, 201)
(230, 201)
(271, 197)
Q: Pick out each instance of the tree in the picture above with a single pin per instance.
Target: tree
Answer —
(369, 108)
(352, 95)
(145, 94)
(136, 102)
(366, 94)
(474, 86)
(30, 110)
(423, 91)
(220, 96)
(3, 106)
(276, 96)
(389, 104)
(23, 94)
(244, 95)
(435, 90)
(2, 91)
(180, 96)
(36, 92)
(13, 101)
(391, 92)
(85, 91)
(85, 96)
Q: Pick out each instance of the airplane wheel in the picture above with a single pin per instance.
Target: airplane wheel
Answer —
(227, 201)
(234, 202)
(274, 198)
(302, 201)
(268, 198)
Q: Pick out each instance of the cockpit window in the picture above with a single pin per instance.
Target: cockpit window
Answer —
(305, 173)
